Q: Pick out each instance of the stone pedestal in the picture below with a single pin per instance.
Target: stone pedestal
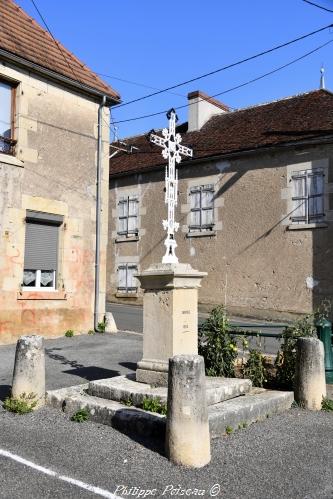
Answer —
(170, 318)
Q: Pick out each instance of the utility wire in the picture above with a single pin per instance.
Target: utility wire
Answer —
(236, 87)
(318, 6)
(56, 42)
(135, 83)
(237, 63)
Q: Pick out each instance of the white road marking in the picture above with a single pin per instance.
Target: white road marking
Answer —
(54, 474)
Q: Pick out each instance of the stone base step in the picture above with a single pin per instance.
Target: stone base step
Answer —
(254, 406)
(125, 388)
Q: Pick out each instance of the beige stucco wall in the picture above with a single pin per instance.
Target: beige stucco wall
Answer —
(256, 265)
(54, 171)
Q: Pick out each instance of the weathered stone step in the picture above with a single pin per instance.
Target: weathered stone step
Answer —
(125, 388)
(254, 406)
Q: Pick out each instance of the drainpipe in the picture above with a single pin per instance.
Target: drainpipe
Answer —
(98, 211)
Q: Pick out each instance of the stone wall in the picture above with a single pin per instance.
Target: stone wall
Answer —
(53, 171)
(257, 264)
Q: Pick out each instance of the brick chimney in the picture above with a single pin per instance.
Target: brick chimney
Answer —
(201, 108)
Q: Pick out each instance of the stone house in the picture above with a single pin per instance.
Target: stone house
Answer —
(255, 206)
(54, 138)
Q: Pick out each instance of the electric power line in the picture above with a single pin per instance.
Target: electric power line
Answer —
(235, 87)
(318, 6)
(237, 63)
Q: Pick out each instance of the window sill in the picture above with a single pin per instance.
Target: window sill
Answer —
(10, 160)
(320, 225)
(127, 295)
(211, 233)
(41, 295)
(124, 239)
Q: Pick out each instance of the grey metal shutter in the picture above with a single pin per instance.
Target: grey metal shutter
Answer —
(41, 246)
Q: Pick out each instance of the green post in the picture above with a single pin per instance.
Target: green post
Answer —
(324, 331)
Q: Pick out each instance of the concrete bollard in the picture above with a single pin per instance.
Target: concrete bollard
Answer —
(110, 323)
(187, 429)
(310, 385)
(29, 369)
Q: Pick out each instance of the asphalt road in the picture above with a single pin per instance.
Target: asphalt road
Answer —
(286, 456)
(130, 318)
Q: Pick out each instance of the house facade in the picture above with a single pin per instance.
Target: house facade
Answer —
(255, 206)
(54, 134)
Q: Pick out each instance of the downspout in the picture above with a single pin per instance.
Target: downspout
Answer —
(98, 211)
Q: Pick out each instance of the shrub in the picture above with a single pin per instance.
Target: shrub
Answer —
(80, 416)
(69, 333)
(327, 404)
(101, 326)
(286, 357)
(154, 405)
(216, 345)
(254, 368)
(22, 405)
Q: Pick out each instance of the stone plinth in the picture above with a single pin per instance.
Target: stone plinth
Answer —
(170, 318)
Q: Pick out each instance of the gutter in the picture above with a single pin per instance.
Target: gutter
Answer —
(53, 75)
(230, 155)
(98, 212)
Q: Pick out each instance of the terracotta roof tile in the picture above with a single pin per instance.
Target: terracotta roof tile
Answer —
(291, 120)
(23, 36)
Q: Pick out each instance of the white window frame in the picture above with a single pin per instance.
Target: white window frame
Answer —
(127, 289)
(202, 227)
(297, 201)
(126, 201)
(38, 286)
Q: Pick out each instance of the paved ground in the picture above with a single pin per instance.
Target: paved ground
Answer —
(70, 361)
(130, 318)
(287, 456)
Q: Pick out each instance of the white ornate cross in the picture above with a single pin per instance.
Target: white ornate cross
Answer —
(172, 150)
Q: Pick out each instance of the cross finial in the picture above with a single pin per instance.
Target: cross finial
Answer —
(172, 151)
(322, 77)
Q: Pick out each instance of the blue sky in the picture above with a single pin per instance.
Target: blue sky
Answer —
(159, 44)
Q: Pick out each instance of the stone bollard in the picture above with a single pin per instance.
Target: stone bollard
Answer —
(29, 369)
(187, 429)
(110, 323)
(310, 385)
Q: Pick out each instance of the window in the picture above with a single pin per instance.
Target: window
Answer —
(128, 216)
(202, 208)
(41, 251)
(308, 196)
(127, 283)
(6, 118)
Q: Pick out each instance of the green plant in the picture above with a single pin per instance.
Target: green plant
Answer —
(91, 331)
(128, 402)
(242, 426)
(101, 326)
(286, 357)
(216, 345)
(22, 405)
(69, 333)
(327, 404)
(154, 405)
(229, 430)
(80, 416)
(254, 368)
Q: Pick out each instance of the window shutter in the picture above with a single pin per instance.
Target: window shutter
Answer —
(122, 277)
(41, 246)
(300, 203)
(316, 190)
(133, 215)
(131, 280)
